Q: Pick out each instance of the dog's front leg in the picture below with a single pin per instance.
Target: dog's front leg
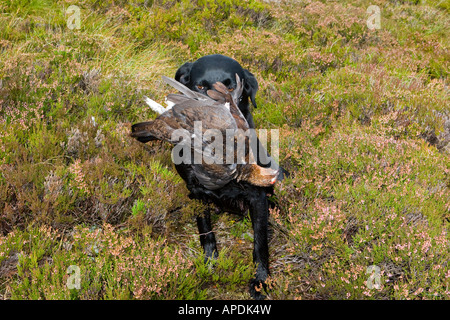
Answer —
(207, 238)
(259, 213)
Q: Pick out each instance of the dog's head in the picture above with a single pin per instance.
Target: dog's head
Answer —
(200, 76)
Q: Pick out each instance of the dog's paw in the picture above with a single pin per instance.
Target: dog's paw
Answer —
(256, 289)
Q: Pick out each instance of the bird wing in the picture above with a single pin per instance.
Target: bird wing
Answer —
(159, 129)
(176, 98)
(211, 115)
(214, 176)
(185, 90)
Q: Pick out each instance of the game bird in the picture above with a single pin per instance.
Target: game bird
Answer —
(216, 111)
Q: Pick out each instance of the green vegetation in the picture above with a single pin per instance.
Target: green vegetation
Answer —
(364, 130)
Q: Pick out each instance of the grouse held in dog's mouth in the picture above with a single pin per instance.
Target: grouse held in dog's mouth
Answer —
(195, 116)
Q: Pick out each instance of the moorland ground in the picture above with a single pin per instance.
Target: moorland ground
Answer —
(364, 124)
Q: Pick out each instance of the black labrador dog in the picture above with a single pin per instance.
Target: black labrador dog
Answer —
(235, 197)
(203, 73)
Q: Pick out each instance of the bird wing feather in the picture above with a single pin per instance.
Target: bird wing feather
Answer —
(185, 90)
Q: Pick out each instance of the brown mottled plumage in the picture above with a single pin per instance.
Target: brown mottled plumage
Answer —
(219, 111)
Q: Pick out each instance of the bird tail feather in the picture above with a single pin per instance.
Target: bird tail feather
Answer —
(140, 132)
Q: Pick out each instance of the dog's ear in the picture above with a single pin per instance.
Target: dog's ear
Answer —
(183, 74)
(250, 86)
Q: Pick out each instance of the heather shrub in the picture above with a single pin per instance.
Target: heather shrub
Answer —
(361, 196)
(112, 265)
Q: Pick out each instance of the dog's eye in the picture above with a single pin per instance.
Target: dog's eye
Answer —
(199, 87)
